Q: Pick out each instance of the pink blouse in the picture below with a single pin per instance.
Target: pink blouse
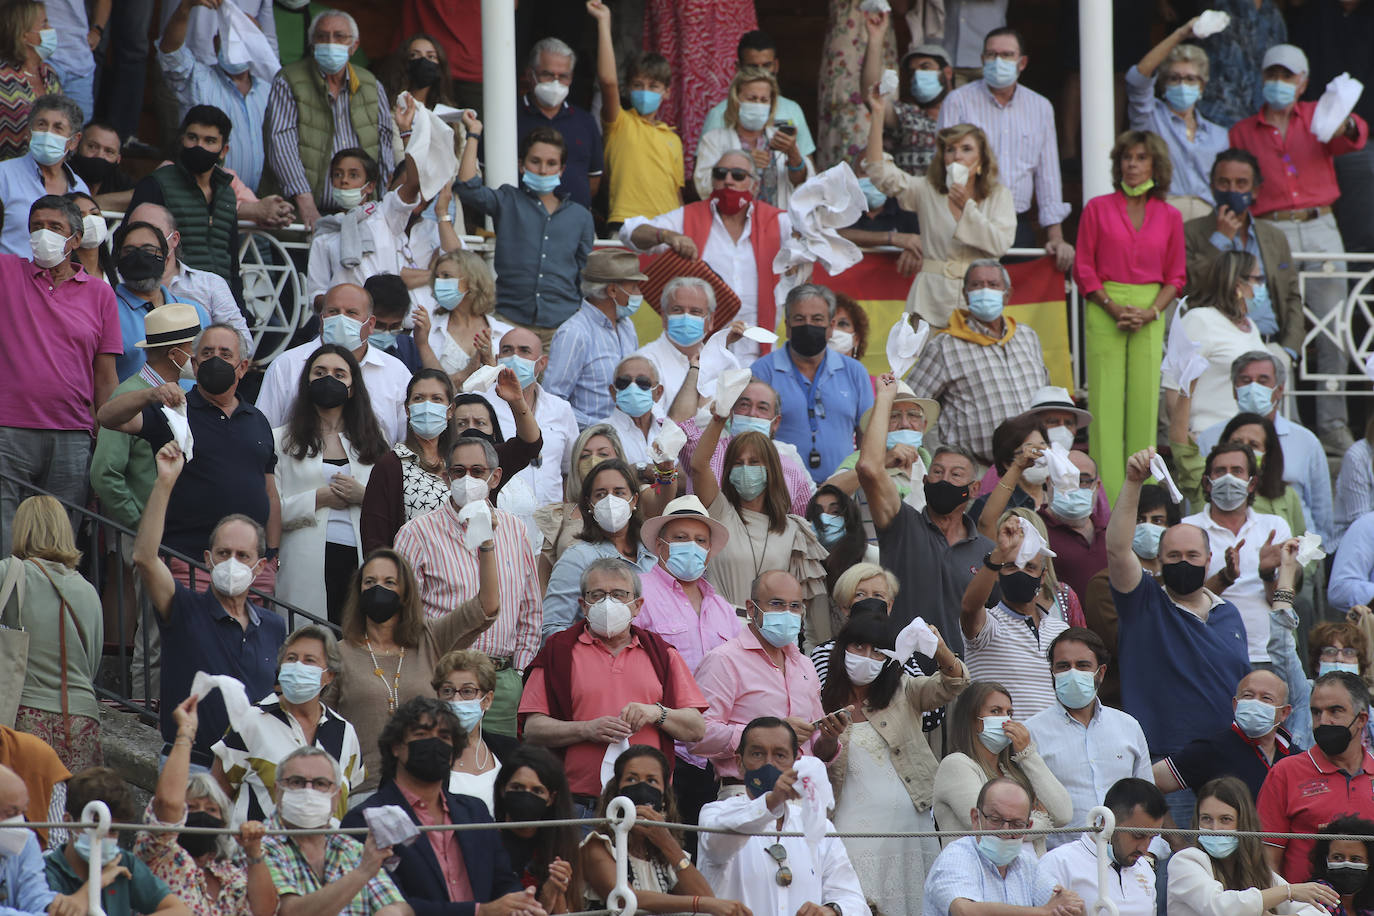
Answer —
(1110, 248)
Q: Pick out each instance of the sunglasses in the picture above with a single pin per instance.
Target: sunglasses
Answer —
(719, 174)
(779, 855)
(623, 381)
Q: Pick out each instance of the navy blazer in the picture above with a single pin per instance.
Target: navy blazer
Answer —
(418, 875)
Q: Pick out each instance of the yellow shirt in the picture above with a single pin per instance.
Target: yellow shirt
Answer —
(645, 161)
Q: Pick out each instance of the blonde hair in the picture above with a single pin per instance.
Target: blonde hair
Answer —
(1187, 54)
(848, 582)
(465, 660)
(42, 531)
(16, 18)
(986, 178)
(480, 298)
(743, 77)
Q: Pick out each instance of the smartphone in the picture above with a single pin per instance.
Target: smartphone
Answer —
(787, 127)
(843, 713)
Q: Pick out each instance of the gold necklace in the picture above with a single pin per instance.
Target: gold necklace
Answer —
(393, 690)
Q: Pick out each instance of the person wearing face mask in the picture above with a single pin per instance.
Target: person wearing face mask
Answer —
(543, 236)
(884, 222)
(885, 757)
(1344, 864)
(93, 255)
(96, 161)
(299, 148)
(463, 331)
(1063, 420)
(1078, 542)
(142, 252)
(927, 76)
(687, 356)
(863, 588)
(1182, 649)
(466, 680)
(638, 415)
(419, 745)
(21, 857)
(834, 514)
(605, 680)
(531, 787)
(908, 420)
(550, 71)
(129, 886)
(420, 66)
(1081, 727)
(53, 130)
(25, 28)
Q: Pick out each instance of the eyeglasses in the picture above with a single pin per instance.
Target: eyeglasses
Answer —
(1346, 653)
(1256, 278)
(777, 604)
(477, 470)
(619, 594)
(719, 173)
(1001, 55)
(623, 381)
(994, 822)
(151, 250)
(448, 692)
(779, 855)
(319, 784)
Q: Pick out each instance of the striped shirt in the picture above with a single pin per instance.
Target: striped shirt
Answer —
(283, 141)
(1011, 651)
(194, 83)
(582, 359)
(1021, 134)
(448, 575)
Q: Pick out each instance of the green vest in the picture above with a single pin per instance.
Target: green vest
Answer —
(315, 117)
(206, 228)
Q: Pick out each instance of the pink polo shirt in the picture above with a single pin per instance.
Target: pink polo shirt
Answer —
(741, 683)
(1110, 247)
(669, 613)
(445, 846)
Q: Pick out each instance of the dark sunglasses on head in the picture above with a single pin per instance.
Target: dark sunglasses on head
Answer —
(623, 381)
(718, 173)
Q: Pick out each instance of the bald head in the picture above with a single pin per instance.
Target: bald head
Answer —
(521, 342)
(347, 299)
(1265, 685)
(156, 214)
(14, 794)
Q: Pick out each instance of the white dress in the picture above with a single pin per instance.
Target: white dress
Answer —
(481, 786)
(892, 872)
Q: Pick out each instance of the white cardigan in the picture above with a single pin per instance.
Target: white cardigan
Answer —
(303, 526)
(1194, 891)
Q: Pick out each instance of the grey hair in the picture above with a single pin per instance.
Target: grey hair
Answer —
(68, 208)
(753, 172)
(677, 283)
(488, 450)
(333, 658)
(555, 46)
(988, 262)
(653, 370)
(55, 101)
(1190, 54)
(960, 450)
(592, 290)
(203, 785)
(1240, 363)
(325, 14)
(258, 530)
(1359, 691)
(807, 291)
(238, 341)
(309, 750)
(613, 565)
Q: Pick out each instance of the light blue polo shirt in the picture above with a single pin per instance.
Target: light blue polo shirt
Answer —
(21, 183)
(822, 414)
(132, 314)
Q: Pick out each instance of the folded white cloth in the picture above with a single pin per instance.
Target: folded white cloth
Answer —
(817, 797)
(875, 6)
(760, 335)
(613, 752)
(181, 430)
(235, 701)
(390, 826)
(241, 40)
(916, 636)
(1063, 474)
(1211, 22)
(1310, 548)
(477, 517)
(355, 239)
(818, 209)
(668, 443)
(1161, 472)
(729, 387)
(481, 379)
(904, 345)
(1032, 544)
(916, 496)
(887, 83)
(1183, 360)
(1335, 106)
(431, 146)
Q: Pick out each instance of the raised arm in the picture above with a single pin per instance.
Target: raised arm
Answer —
(169, 799)
(467, 168)
(157, 578)
(883, 499)
(973, 614)
(606, 76)
(876, 24)
(996, 504)
(704, 481)
(508, 390)
(1155, 56)
(1123, 566)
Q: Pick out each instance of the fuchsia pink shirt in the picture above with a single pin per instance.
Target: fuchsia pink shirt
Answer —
(669, 613)
(1111, 248)
(1297, 167)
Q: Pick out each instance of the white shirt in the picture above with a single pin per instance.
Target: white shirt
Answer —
(1195, 891)
(384, 375)
(1088, 760)
(632, 440)
(1009, 652)
(1219, 341)
(212, 291)
(452, 357)
(387, 223)
(739, 867)
(558, 426)
(1247, 594)
(1073, 866)
(672, 364)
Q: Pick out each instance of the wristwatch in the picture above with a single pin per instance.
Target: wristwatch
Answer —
(835, 907)
(685, 862)
(987, 561)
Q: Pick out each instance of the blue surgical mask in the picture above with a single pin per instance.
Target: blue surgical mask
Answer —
(469, 712)
(299, 682)
(992, 735)
(1182, 96)
(1255, 717)
(999, 73)
(1279, 94)
(986, 304)
(231, 67)
(447, 293)
(383, 339)
(109, 848)
(632, 303)
(47, 148)
(1073, 504)
(1074, 688)
(541, 184)
(1255, 398)
(749, 480)
(342, 330)
(829, 528)
(686, 560)
(523, 369)
(1145, 542)
(428, 419)
(926, 85)
(47, 43)
(780, 628)
(685, 330)
(1218, 845)
(740, 423)
(1260, 300)
(1325, 668)
(645, 101)
(911, 437)
(331, 57)
(634, 400)
(1000, 850)
(872, 195)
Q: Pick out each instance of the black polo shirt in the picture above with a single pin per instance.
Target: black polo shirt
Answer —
(1227, 753)
(227, 473)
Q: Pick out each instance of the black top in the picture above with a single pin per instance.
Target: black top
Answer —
(1227, 753)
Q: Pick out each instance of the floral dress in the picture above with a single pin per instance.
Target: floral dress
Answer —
(165, 858)
(843, 132)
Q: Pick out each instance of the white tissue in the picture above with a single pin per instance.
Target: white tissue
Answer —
(817, 797)
(1161, 472)
(887, 85)
(482, 379)
(390, 826)
(477, 517)
(608, 761)
(904, 345)
(667, 445)
(1063, 474)
(1335, 106)
(761, 335)
(1310, 548)
(916, 636)
(1183, 359)
(235, 701)
(875, 6)
(729, 386)
(1032, 545)
(956, 173)
(181, 430)
(448, 113)
(916, 496)
(1211, 22)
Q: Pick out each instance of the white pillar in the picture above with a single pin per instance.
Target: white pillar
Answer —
(1097, 84)
(498, 92)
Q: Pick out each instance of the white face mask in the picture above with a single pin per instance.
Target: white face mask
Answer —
(348, 198)
(49, 248)
(187, 370)
(861, 669)
(231, 577)
(93, 231)
(13, 836)
(468, 489)
(608, 617)
(550, 93)
(612, 513)
(841, 342)
(305, 807)
(1061, 435)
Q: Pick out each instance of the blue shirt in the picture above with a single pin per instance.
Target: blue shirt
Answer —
(132, 313)
(962, 872)
(1192, 159)
(787, 110)
(1178, 672)
(23, 883)
(585, 156)
(539, 255)
(561, 609)
(1261, 313)
(823, 414)
(1352, 572)
(21, 183)
(582, 359)
(195, 83)
(199, 635)
(1235, 89)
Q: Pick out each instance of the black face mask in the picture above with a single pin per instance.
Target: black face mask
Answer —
(1347, 878)
(91, 169)
(641, 793)
(327, 391)
(137, 264)
(524, 806)
(379, 603)
(199, 844)
(1020, 586)
(1183, 578)
(422, 72)
(943, 497)
(429, 759)
(760, 781)
(1332, 739)
(198, 160)
(215, 375)
(807, 339)
(868, 606)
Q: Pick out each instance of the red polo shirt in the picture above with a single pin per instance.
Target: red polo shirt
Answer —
(1297, 167)
(1303, 793)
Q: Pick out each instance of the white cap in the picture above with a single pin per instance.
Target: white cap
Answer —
(1290, 57)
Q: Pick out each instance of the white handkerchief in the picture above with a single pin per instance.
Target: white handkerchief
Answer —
(875, 6)
(1161, 472)
(390, 826)
(1063, 474)
(477, 516)
(916, 636)
(916, 496)
(761, 335)
(1032, 544)
(608, 761)
(817, 797)
(1183, 359)
(483, 378)
(241, 40)
(449, 113)
(1335, 106)
(1310, 548)
(667, 445)
(431, 147)
(957, 173)
(181, 430)
(887, 84)
(904, 345)
(729, 387)
(235, 701)
(1210, 22)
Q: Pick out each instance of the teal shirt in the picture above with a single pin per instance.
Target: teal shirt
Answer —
(143, 893)
(787, 110)
(123, 469)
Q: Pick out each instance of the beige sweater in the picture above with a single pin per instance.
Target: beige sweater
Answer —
(959, 779)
